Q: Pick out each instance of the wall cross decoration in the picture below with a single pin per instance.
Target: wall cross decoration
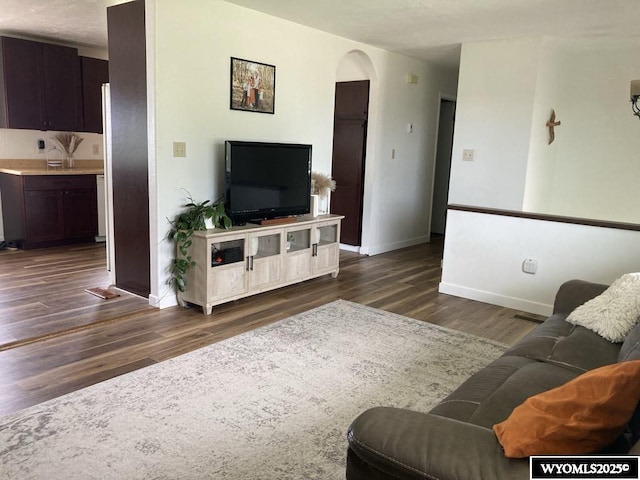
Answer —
(552, 123)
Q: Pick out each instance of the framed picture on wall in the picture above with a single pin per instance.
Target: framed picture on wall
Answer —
(253, 86)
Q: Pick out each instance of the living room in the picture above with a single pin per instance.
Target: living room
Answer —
(526, 79)
(505, 91)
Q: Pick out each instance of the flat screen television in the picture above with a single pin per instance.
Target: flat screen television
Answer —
(266, 180)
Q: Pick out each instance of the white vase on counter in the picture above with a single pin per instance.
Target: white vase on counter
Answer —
(315, 205)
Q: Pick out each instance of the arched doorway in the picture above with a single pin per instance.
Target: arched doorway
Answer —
(354, 114)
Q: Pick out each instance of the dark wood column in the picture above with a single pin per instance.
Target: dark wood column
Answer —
(128, 80)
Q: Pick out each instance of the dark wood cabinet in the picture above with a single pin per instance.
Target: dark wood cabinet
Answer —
(79, 210)
(39, 86)
(94, 72)
(44, 218)
(47, 210)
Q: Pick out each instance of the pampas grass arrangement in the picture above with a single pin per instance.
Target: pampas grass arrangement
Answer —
(68, 141)
(322, 184)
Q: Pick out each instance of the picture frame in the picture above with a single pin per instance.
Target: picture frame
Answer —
(252, 86)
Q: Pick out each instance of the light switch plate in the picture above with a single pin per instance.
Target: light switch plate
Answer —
(179, 149)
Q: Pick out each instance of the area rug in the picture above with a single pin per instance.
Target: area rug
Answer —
(273, 403)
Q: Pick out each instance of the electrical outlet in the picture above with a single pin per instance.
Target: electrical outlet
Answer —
(529, 265)
(467, 155)
(179, 149)
(96, 149)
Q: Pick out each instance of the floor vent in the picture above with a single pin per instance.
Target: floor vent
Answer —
(527, 318)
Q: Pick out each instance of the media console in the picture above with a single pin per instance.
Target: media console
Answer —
(251, 259)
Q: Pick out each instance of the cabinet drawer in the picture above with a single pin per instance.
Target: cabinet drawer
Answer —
(56, 182)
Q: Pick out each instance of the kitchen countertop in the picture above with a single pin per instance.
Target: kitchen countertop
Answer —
(39, 167)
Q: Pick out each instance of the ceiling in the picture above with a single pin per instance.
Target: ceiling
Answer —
(73, 22)
(426, 29)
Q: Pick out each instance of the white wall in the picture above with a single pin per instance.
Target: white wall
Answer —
(190, 79)
(23, 144)
(592, 167)
(496, 90)
(507, 90)
(484, 254)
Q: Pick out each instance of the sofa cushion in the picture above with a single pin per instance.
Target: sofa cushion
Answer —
(489, 396)
(630, 349)
(557, 341)
(582, 416)
(613, 313)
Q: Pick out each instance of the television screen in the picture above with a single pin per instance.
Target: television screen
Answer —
(266, 180)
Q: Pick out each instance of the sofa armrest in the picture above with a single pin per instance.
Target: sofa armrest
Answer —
(574, 293)
(403, 444)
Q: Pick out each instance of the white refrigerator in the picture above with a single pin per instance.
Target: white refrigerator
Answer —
(108, 185)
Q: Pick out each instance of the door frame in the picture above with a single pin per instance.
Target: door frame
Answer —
(441, 97)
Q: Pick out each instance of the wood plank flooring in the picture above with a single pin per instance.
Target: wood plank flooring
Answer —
(42, 292)
(403, 282)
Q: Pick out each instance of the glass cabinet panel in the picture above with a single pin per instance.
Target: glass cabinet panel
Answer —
(298, 240)
(227, 252)
(327, 234)
(262, 246)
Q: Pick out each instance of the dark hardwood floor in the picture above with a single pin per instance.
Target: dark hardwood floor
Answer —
(42, 293)
(403, 282)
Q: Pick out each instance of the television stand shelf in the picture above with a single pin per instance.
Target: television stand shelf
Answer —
(251, 259)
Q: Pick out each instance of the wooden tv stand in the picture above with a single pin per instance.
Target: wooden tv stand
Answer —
(251, 259)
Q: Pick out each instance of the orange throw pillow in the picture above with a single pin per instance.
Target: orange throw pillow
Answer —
(582, 416)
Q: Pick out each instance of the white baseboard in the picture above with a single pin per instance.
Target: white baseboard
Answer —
(496, 299)
(378, 249)
(169, 300)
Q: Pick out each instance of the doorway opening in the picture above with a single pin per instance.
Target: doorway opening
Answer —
(442, 169)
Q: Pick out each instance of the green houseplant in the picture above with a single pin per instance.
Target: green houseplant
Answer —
(182, 227)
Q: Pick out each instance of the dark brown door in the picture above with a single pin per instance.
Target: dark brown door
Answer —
(349, 150)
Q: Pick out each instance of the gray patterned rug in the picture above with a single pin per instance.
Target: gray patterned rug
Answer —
(273, 403)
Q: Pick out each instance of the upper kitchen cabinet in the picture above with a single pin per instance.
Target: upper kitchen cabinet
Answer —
(39, 86)
(95, 72)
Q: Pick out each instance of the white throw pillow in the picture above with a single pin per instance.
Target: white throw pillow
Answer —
(614, 313)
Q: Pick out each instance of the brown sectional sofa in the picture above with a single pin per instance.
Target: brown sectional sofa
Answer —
(455, 439)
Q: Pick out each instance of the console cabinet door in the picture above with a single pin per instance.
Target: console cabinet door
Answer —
(264, 260)
(326, 248)
(228, 279)
(298, 254)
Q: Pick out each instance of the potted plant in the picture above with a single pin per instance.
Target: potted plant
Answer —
(195, 217)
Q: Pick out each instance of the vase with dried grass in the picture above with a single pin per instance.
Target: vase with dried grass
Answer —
(322, 185)
(69, 142)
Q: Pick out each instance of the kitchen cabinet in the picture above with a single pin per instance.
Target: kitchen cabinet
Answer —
(48, 210)
(39, 86)
(94, 73)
